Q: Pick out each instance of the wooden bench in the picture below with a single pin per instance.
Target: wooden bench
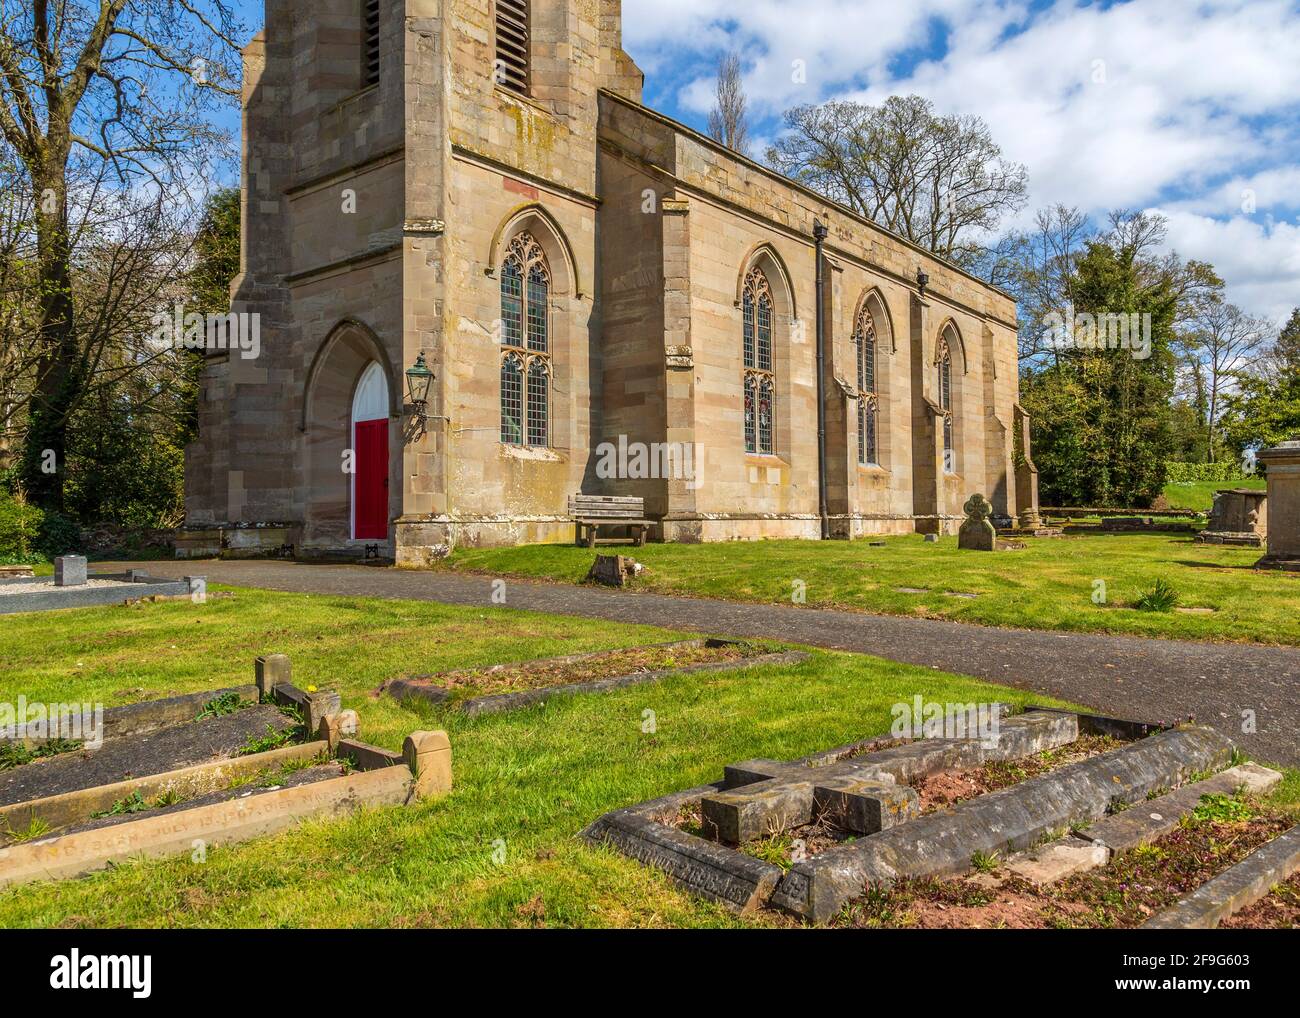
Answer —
(591, 512)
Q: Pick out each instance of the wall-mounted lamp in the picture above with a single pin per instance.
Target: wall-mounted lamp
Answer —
(922, 280)
(418, 380)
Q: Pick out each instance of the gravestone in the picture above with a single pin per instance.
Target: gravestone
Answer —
(1283, 464)
(70, 571)
(977, 533)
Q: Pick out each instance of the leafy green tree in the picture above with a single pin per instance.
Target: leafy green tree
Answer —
(1102, 418)
(1262, 412)
(1285, 355)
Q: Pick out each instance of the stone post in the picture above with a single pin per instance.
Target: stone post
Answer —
(1283, 463)
(70, 571)
(272, 670)
(428, 754)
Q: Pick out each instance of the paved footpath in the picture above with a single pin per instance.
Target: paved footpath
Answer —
(1120, 675)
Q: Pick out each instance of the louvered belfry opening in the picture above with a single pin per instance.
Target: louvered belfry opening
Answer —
(512, 45)
(369, 43)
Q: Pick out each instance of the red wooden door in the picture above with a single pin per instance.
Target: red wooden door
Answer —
(370, 494)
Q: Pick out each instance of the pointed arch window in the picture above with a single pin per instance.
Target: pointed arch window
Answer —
(525, 341)
(943, 365)
(759, 378)
(864, 336)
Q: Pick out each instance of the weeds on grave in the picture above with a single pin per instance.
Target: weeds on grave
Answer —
(36, 828)
(133, 803)
(1223, 809)
(775, 850)
(985, 862)
(273, 739)
(1160, 598)
(137, 803)
(220, 706)
(15, 754)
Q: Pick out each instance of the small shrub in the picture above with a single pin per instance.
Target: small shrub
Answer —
(59, 535)
(1160, 598)
(20, 529)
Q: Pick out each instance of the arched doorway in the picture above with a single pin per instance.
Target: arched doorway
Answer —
(370, 456)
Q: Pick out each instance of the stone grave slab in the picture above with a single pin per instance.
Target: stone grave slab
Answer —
(765, 797)
(1011, 820)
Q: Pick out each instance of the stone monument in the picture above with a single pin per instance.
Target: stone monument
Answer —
(977, 533)
(1283, 465)
(70, 571)
(1239, 516)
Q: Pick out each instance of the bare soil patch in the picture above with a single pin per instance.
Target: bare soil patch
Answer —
(1124, 894)
(1279, 910)
(948, 788)
(515, 678)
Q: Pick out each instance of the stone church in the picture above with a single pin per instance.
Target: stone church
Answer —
(606, 302)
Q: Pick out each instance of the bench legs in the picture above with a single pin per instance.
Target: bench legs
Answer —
(585, 533)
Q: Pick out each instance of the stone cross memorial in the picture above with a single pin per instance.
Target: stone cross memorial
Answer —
(977, 533)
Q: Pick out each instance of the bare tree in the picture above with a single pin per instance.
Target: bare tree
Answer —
(728, 120)
(1222, 342)
(1038, 268)
(93, 86)
(939, 181)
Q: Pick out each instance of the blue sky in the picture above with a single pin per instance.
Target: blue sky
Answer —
(1188, 107)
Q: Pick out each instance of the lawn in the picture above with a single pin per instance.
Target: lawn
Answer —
(1199, 495)
(1050, 584)
(500, 850)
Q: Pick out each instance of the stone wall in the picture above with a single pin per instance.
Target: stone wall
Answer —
(375, 221)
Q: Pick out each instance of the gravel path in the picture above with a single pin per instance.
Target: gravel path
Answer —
(1120, 675)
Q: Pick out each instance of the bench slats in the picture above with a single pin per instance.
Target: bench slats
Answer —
(594, 511)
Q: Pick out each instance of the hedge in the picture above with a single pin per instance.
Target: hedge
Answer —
(1177, 473)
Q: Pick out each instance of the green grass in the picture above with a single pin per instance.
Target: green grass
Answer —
(525, 782)
(1050, 584)
(1199, 495)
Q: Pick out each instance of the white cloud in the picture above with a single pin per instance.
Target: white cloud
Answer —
(1149, 103)
(1259, 258)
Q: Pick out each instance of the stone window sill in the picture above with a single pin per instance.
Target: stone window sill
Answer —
(531, 453)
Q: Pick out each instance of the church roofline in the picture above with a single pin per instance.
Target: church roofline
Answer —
(772, 174)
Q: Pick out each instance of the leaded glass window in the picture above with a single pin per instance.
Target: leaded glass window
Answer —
(759, 379)
(525, 341)
(943, 363)
(864, 336)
